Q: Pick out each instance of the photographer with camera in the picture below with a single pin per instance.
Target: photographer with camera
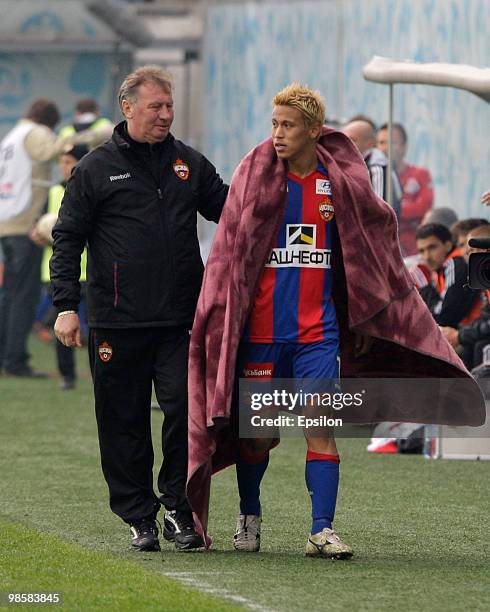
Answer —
(471, 340)
(460, 231)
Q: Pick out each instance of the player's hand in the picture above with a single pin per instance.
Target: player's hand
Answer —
(36, 237)
(363, 344)
(451, 335)
(485, 199)
(67, 330)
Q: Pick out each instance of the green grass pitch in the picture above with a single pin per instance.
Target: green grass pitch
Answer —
(419, 528)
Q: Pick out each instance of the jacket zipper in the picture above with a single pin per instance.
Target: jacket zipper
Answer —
(116, 292)
(170, 263)
(163, 225)
(166, 234)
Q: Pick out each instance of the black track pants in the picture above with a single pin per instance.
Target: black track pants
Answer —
(124, 362)
(19, 297)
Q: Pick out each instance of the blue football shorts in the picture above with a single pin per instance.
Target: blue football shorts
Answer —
(318, 360)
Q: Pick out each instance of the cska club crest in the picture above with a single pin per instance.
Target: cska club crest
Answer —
(105, 352)
(326, 209)
(181, 169)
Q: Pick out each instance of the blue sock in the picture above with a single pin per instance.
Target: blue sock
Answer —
(249, 472)
(322, 480)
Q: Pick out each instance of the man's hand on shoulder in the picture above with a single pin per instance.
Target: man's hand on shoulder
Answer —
(67, 329)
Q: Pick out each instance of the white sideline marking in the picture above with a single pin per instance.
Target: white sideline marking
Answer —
(188, 579)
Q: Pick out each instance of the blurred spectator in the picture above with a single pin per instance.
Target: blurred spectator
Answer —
(362, 132)
(460, 231)
(42, 235)
(87, 117)
(442, 279)
(2, 271)
(471, 340)
(41, 315)
(364, 118)
(416, 183)
(26, 155)
(2, 267)
(441, 216)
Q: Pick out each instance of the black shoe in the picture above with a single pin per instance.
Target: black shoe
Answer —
(179, 527)
(25, 372)
(144, 535)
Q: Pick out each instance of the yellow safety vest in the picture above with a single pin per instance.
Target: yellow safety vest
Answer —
(55, 197)
(69, 130)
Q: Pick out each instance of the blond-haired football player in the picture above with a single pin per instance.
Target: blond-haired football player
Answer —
(292, 330)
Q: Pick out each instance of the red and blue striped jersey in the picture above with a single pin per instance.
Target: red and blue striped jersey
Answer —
(293, 302)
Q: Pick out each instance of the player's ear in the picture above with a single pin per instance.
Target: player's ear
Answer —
(315, 130)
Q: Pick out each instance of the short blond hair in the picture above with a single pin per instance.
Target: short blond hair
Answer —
(309, 102)
(145, 74)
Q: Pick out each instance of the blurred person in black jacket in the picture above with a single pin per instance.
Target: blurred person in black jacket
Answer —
(470, 340)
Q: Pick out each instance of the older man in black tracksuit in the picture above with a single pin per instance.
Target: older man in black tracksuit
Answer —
(135, 200)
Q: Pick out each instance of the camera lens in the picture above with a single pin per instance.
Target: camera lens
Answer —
(484, 272)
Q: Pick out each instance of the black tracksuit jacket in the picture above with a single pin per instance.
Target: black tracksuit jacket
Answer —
(136, 207)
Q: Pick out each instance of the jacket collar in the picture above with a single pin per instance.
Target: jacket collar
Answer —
(122, 139)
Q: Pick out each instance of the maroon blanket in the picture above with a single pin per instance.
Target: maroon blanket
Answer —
(373, 294)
